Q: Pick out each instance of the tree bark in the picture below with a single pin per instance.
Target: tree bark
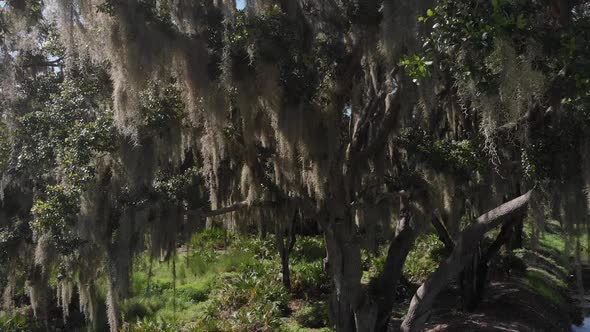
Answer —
(518, 235)
(579, 276)
(424, 297)
(384, 286)
(285, 249)
(475, 279)
(354, 306)
(344, 264)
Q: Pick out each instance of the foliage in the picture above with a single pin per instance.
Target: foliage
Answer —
(309, 249)
(309, 279)
(161, 106)
(150, 325)
(18, 321)
(252, 300)
(175, 187)
(65, 127)
(138, 308)
(56, 215)
(417, 67)
(424, 258)
(457, 157)
(314, 316)
(11, 237)
(302, 99)
(546, 285)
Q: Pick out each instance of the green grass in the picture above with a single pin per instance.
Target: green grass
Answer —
(227, 283)
(546, 285)
(547, 267)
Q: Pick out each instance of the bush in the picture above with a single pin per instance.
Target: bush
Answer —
(259, 248)
(191, 293)
(138, 308)
(309, 249)
(18, 321)
(212, 238)
(200, 261)
(234, 260)
(424, 258)
(309, 279)
(313, 316)
(157, 286)
(253, 300)
(150, 325)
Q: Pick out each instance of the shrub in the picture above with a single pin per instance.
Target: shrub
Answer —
(138, 308)
(309, 249)
(212, 238)
(18, 321)
(424, 258)
(309, 279)
(259, 248)
(157, 286)
(253, 300)
(150, 325)
(200, 261)
(313, 316)
(191, 293)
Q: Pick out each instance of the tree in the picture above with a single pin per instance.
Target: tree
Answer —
(129, 120)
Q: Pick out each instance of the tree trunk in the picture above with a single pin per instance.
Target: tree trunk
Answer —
(579, 277)
(112, 299)
(422, 301)
(469, 279)
(518, 235)
(286, 232)
(344, 264)
(475, 279)
(384, 286)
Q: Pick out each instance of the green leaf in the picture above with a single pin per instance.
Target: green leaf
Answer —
(430, 12)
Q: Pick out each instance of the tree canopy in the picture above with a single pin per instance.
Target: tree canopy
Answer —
(128, 125)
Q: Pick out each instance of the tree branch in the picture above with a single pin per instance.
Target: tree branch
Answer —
(384, 286)
(424, 297)
(52, 63)
(231, 208)
(388, 123)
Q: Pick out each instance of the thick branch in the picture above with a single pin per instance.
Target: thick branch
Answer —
(53, 63)
(228, 209)
(388, 123)
(383, 287)
(422, 301)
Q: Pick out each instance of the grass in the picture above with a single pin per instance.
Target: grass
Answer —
(546, 285)
(227, 283)
(547, 267)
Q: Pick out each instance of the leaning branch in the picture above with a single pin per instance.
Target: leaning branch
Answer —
(423, 299)
(385, 285)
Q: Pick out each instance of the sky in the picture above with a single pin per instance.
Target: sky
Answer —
(240, 4)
